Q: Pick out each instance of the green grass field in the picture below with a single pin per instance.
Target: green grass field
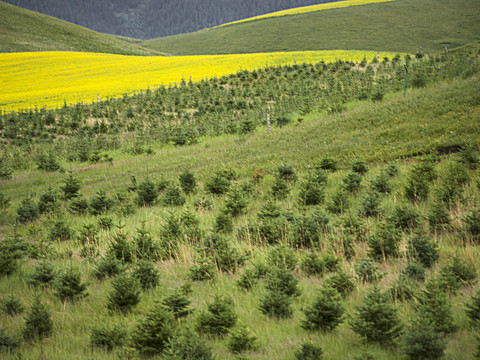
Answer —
(24, 30)
(404, 25)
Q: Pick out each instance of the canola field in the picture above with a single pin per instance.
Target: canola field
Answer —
(38, 79)
(311, 8)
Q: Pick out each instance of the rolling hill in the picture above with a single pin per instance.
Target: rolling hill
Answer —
(24, 30)
(403, 25)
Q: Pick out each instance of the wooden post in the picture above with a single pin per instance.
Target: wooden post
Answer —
(268, 122)
(98, 97)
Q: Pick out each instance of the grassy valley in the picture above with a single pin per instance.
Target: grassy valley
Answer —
(402, 25)
(24, 30)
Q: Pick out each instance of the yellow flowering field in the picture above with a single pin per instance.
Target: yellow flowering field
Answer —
(51, 78)
(311, 8)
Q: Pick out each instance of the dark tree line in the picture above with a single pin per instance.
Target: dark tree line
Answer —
(146, 19)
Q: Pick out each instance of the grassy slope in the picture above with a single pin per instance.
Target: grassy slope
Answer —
(444, 113)
(24, 30)
(402, 25)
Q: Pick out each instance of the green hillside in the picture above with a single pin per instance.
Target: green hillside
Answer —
(403, 25)
(24, 30)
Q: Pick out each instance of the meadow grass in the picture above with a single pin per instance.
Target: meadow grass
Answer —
(403, 25)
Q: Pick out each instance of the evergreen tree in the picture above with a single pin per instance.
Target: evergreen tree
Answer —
(219, 318)
(376, 319)
(422, 342)
(68, 285)
(38, 322)
(71, 186)
(326, 312)
(152, 334)
(125, 294)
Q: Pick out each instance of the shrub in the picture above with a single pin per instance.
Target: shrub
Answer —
(434, 306)
(375, 319)
(359, 167)
(286, 172)
(381, 183)
(423, 248)
(404, 216)
(11, 305)
(438, 215)
(276, 305)
(125, 295)
(328, 163)
(47, 162)
(342, 282)
(79, 205)
(471, 225)
(339, 203)
(71, 187)
(422, 342)
(311, 192)
(385, 242)
(417, 187)
(177, 302)
(453, 183)
(219, 184)
(402, 289)
(187, 344)
(60, 231)
(469, 157)
(223, 223)
(370, 204)
(121, 248)
(146, 247)
(108, 266)
(38, 322)
(68, 285)
(48, 202)
(326, 311)
(414, 271)
(352, 182)
(151, 335)
(27, 211)
(222, 253)
(456, 273)
(173, 196)
(146, 274)
(281, 121)
(219, 317)
(312, 264)
(309, 351)
(307, 229)
(235, 203)
(8, 262)
(248, 278)
(367, 270)
(241, 340)
(204, 269)
(107, 337)
(188, 182)
(43, 274)
(280, 188)
(8, 342)
(282, 256)
(147, 192)
(473, 309)
(282, 281)
(100, 203)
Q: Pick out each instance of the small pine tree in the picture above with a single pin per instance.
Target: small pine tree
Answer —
(218, 319)
(309, 351)
(283, 281)
(241, 340)
(43, 274)
(188, 182)
(11, 305)
(8, 342)
(68, 285)
(235, 203)
(125, 295)
(146, 274)
(27, 211)
(107, 337)
(151, 335)
(423, 248)
(147, 192)
(121, 248)
(276, 305)
(422, 342)
(187, 344)
(108, 266)
(473, 309)
(38, 322)
(375, 319)
(435, 307)
(71, 187)
(326, 311)
(177, 302)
